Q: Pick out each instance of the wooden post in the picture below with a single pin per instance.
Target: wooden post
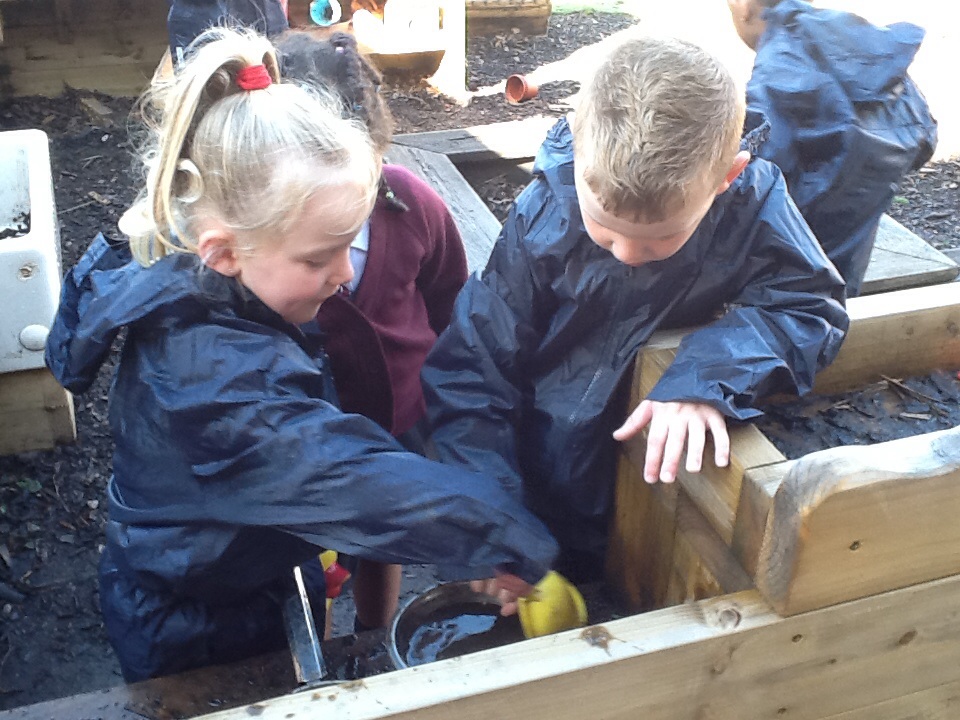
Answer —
(35, 412)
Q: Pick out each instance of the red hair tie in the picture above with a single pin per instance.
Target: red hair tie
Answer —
(254, 77)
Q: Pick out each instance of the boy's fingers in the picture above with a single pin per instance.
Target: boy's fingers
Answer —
(721, 440)
(673, 450)
(509, 608)
(637, 420)
(656, 439)
(696, 438)
(513, 584)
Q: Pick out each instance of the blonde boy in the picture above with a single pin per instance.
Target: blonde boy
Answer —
(648, 213)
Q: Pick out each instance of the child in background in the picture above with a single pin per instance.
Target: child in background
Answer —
(409, 264)
(232, 463)
(847, 122)
(189, 18)
(647, 213)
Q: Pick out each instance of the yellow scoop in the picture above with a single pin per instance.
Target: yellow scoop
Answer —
(553, 606)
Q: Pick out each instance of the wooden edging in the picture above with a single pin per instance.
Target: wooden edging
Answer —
(726, 658)
(853, 521)
(36, 413)
(902, 333)
(513, 140)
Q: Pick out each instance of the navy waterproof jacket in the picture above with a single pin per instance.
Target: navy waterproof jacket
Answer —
(232, 464)
(524, 382)
(847, 121)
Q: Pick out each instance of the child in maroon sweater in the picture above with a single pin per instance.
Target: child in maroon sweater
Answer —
(409, 264)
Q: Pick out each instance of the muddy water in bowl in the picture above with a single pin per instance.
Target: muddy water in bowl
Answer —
(448, 621)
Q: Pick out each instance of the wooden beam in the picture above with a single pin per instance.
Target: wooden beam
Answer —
(640, 549)
(753, 511)
(35, 412)
(120, 48)
(715, 490)
(477, 224)
(938, 703)
(703, 566)
(726, 658)
(901, 259)
(856, 520)
(516, 140)
(903, 333)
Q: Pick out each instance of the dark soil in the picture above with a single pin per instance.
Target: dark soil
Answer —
(52, 641)
(887, 410)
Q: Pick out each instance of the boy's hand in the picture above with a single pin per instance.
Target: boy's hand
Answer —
(506, 588)
(672, 424)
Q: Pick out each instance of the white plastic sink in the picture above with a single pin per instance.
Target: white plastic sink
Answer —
(29, 249)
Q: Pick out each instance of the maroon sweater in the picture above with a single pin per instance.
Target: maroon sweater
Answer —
(378, 338)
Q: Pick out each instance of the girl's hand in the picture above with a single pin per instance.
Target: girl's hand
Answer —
(671, 425)
(506, 588)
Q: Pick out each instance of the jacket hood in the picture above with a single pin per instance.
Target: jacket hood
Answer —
(107, 290)
(864, 58)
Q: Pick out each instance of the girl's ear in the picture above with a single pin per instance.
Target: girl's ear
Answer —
(217, 249)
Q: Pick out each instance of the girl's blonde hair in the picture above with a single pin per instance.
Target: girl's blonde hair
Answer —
(250, 159)
(660, 120)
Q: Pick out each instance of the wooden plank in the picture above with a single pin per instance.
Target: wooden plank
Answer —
(703, 566)
(513, 140)
(901, 259)
(903, 333)
(35, 412)
(756, 501)
(939, 703)
(726, 658)
(184, 695)
(716, 491)
(640, 549)
(116, 50)
(856, 520)
(477, 224)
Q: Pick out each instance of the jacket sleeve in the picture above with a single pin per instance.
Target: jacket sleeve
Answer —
(444, 268)
(473, 376)
(75, 350)
(267, 452)
(786, 322)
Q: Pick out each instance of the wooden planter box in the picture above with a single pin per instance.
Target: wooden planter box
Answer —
(821, 588)
(832, 526)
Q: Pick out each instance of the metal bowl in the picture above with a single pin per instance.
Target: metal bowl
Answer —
(446, 621)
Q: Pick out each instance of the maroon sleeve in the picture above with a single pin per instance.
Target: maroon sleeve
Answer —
(444, 268)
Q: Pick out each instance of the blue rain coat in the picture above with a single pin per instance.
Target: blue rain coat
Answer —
(232, 464)
(847, 121)
(527, 382)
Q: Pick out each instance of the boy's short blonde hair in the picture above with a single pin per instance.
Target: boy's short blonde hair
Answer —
(660, 120)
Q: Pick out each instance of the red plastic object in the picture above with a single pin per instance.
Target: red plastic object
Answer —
(335, 576)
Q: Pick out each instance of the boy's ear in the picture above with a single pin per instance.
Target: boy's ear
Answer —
(739, 163)
(218, 251)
